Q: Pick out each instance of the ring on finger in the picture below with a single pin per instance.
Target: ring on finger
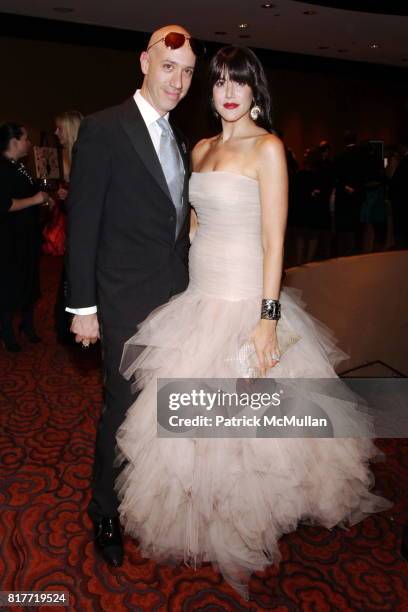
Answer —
(275, 356)
(85, 343)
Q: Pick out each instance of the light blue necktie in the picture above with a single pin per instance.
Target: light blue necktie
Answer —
(173, 168)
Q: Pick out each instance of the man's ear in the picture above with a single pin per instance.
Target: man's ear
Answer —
(144, 62)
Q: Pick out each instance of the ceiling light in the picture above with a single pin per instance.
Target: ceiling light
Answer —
(220, 33)
(242, 26)
(309, 13)
(374, 46)
(276, 14)
(244, 36)
(267, 5)
(342, 50)
(323, 47)
(63, 9)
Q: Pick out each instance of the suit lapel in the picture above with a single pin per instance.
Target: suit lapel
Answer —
(138, 133)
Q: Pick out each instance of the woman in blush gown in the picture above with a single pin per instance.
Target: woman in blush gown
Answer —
(228, 500)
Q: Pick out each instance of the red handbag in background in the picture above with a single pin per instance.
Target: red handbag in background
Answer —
(54, 232)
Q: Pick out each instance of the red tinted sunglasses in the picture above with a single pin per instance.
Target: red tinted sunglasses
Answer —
(175, 40)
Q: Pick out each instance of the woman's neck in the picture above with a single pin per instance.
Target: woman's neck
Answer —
(10, 156)
(232, 130)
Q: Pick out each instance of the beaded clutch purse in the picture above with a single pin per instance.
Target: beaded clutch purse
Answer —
(248, 360)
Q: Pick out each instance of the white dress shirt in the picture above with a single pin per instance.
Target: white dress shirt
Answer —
(150, 116)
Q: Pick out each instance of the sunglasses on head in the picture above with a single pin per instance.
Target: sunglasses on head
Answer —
(175, 40)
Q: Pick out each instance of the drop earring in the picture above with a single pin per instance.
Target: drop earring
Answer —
(255, 112)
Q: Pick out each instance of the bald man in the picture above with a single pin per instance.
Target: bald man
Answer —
(128, 224)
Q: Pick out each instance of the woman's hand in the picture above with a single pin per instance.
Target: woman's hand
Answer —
(266, 344)
(51, 202)
(36, 200)
(40, 197)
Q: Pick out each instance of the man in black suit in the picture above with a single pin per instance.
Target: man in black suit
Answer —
(128, 226)
(399, 199)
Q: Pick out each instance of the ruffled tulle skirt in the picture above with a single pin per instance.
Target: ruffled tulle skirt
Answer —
(228, 500)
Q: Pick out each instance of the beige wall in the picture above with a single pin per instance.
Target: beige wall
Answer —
(364, 300)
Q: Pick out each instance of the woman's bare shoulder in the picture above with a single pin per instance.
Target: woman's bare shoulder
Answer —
(269, 145)
(201, 148)
(270, 156)
(204, 143)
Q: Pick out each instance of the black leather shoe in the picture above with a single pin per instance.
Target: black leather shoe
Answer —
(404, 543)
(108, 540)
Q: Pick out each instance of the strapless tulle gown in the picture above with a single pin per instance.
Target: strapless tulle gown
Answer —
(229, 500)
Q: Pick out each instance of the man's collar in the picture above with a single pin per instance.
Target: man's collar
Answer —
(149, 114)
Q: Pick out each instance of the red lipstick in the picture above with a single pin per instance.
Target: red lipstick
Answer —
(230, 105)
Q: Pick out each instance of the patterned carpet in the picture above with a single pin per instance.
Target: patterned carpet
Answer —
(49, 403)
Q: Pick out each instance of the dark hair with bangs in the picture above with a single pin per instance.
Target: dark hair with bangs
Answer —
(243, 66)
(7, 132)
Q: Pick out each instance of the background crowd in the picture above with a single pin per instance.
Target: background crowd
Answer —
(347, 202)
(340, 203)
(32, 221)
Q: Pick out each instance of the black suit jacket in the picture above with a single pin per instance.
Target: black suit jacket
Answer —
(122, 254)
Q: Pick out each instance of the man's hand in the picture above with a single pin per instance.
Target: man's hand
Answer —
(86, 329)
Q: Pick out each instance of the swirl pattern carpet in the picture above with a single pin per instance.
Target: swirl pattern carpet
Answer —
(50, 399)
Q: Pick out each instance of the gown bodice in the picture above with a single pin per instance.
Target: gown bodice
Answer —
(226, 257)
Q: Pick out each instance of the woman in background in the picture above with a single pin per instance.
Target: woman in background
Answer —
(67, 128)
(20, 236)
